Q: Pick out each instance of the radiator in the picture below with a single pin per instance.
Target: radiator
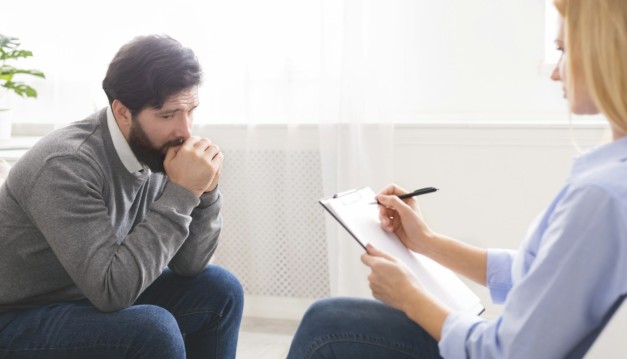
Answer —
(273, 237)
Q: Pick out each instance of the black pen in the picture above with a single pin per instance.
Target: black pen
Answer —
(417, 192)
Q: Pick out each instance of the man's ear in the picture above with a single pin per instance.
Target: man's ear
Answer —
(122, 115)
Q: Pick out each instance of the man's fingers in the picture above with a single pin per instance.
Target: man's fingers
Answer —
(203, 146)
(191, 143)
(213, 151)
(171, 153)
(218, 156)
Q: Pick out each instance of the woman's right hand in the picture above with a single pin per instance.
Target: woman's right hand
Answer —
(403, 217)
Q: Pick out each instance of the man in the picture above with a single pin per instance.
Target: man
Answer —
(94, 212)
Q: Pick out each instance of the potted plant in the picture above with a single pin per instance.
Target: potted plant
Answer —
(10, 52)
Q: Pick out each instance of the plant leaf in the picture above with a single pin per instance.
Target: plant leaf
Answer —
(16, 54)
(30, 72)
(21, 89)
(9, 50)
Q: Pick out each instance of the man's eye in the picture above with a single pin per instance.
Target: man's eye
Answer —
(167, 117)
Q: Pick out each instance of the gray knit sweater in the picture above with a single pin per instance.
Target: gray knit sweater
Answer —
(74, 223)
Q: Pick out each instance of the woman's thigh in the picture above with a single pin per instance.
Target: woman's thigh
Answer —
(359, 328)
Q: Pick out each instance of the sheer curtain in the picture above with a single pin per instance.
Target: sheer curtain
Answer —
(355, 142)
(344, 68)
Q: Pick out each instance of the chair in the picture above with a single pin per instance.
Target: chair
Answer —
(608, 340)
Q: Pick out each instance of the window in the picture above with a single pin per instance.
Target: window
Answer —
(255, 55)
(402, 61)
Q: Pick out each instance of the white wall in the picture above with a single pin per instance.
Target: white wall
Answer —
(477, 58)
(433, 59)
(494, 179)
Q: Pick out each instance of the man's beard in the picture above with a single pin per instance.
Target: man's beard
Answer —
(147, 153)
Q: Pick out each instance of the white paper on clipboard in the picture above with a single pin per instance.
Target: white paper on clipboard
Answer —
(354, 211)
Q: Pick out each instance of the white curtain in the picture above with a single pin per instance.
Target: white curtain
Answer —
(356, 86)
(334, 64)
(349, 68)
(429, 60)
(355, 142)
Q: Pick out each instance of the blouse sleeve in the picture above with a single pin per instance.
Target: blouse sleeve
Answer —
(577, 274)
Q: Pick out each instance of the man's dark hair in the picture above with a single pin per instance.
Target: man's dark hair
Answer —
(148, 70)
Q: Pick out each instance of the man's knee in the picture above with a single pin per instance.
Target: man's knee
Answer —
(221, 281)
(156, 331)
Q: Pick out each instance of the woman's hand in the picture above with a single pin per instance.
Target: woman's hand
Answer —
(403, 217)
(395, 285)
(390, 280)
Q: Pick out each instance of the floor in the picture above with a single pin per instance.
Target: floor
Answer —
(262, 338)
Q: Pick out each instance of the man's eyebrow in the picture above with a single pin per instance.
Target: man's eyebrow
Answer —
(166, 111)
(173, 110)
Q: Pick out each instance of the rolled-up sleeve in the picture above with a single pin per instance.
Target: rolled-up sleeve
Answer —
(565, 292)
(455, 331)
(459, 326)
(499, 273)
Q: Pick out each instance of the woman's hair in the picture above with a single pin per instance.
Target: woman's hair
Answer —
(596, 39)
(148, 70)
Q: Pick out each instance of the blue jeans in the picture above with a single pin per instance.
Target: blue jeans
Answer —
(174, 317)
(359, 328)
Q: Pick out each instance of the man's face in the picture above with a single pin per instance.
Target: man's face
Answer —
(153, 131)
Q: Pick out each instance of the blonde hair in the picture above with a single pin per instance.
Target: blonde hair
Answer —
(596, 39)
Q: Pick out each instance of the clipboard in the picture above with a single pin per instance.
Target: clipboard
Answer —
(354, 211)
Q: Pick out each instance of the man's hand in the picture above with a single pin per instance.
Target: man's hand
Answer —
(195, 165)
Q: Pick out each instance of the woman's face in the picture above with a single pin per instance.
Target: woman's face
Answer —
(580, 102)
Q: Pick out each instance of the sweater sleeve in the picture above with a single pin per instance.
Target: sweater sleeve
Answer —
(67, 205)
(204, 232)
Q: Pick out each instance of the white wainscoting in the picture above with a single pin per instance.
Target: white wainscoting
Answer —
(494, 179)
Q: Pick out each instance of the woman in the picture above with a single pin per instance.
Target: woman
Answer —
(561, 283)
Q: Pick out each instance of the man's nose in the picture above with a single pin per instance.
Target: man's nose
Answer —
(184, 127)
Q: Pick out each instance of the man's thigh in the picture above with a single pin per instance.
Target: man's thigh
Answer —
(208, 308)
(79, 330)
(196, 302)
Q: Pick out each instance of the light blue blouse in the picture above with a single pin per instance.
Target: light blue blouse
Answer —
(566, 275)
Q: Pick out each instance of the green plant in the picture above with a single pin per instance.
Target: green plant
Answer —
(10, 52)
